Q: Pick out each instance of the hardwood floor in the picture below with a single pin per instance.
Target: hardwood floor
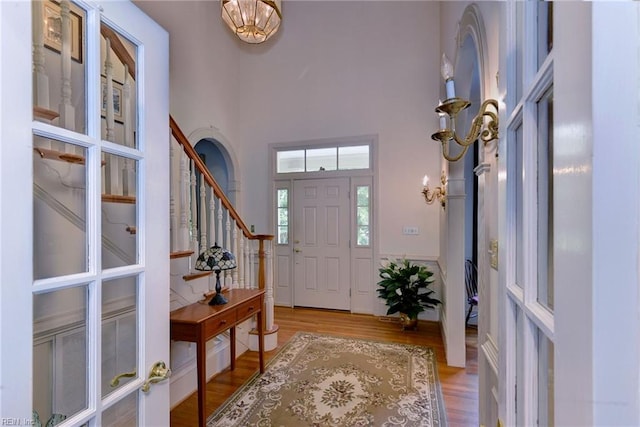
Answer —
(459, 386)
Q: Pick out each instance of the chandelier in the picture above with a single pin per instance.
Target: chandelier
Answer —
(253, 21)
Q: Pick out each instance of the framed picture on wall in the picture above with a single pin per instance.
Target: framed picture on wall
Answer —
(117, 99)
(53, 29)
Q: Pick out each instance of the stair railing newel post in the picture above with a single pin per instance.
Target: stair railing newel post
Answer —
(269, 298)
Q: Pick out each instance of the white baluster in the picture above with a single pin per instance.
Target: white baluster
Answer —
(67, 111)
(219, 227)
(252, 274)
(247, 265)
(212, 217)
(184, 201)
(129, 177)
(40, 77)
(228, 279)
(174, 184)
(112, 167)
(268, 297)
(194, 214)
(234, 244)
(240, 258)
(203, 214)
(108, 95)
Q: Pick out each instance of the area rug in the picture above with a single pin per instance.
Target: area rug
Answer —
(321, 380)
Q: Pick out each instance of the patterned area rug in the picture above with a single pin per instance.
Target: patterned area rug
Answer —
(321, 380)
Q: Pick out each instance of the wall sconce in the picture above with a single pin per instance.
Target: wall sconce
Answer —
(451, 107)
(439, 193)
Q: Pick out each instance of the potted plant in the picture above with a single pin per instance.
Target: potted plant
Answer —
(405, 289)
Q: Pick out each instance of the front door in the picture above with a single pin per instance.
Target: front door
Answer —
(321, 243)
(89, 284)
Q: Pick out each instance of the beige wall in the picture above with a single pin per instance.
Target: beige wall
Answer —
(335, 69)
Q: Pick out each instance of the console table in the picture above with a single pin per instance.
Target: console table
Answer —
(200, 322)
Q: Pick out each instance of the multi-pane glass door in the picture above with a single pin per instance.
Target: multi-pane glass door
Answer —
(92, 237)
(529, 337)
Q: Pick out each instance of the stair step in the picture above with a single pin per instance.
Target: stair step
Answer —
(45, 113)
(116, 198)
(194, 276)
(180, 254)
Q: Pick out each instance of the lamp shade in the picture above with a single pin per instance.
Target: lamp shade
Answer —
(215, 259)
(253, 21)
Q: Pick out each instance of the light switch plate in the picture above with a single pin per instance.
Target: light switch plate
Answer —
(410, 230)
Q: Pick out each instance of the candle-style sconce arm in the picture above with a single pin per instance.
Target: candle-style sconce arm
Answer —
(438, 193)
(486, 132)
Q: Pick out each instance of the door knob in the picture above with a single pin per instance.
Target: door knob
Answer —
(296, 250)
(159, 372)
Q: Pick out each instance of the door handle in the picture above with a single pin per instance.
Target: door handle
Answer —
(116, 380)
(159, 372)
(296, 250)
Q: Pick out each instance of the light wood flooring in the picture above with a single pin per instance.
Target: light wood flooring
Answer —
(459, 385)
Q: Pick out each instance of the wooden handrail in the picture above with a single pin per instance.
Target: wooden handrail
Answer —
(199, 164)
(119, 49)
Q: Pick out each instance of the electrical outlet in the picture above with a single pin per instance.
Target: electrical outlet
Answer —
(410, 230)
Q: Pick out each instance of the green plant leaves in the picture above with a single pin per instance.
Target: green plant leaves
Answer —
(405, 287)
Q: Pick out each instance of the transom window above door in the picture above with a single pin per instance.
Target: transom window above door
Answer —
(331, 158)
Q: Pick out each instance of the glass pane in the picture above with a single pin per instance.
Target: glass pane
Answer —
(119, 333)
(322, 159)
(519, 237)
(545, 30)
(283, 216)
(545, 381)
(290, 161)
(117, 88)
(59, 72)
(521, 379)
(283, 197)
(119, 211)
(60, 353)
(59, 209)
(363, 215)
(363, 196)
(363, 235)
(545, 200)
(122, 414)
(283, 235)
(353, 157)
(519, 28)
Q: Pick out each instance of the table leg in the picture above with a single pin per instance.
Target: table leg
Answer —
(261, 339)
(202, 382)
(232, 344)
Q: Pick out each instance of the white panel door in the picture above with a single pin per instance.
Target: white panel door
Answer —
(321, 243)
(92, 280)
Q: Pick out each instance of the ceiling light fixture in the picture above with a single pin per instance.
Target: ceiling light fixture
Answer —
(253, 21)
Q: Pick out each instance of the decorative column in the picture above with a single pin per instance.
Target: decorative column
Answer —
(454, 290)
